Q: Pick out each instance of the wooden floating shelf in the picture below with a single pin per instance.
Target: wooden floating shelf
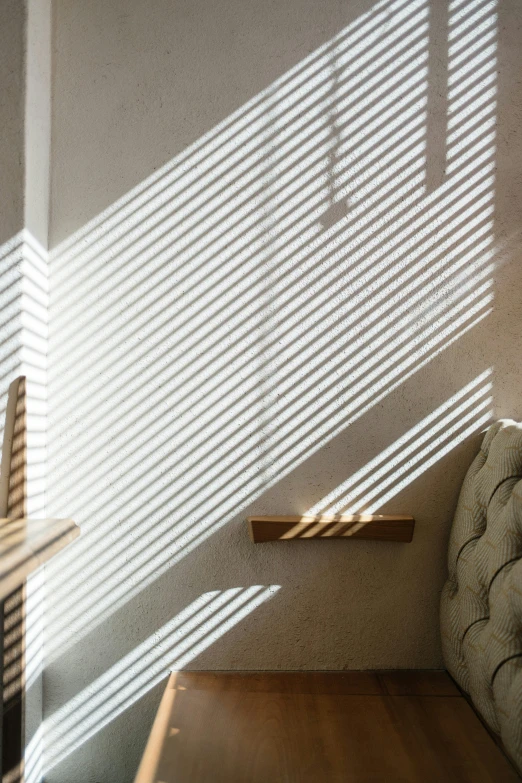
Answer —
(372, 527)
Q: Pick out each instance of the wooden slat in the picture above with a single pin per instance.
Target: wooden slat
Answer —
(372, 527)
(17, 497)
(24, 546)
(13, 653)
(260, 727)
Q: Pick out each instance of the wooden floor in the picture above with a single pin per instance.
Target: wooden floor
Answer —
(353, 727)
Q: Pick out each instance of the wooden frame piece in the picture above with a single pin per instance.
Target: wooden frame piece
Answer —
(13, 607)
(25, 544)
(372, 527)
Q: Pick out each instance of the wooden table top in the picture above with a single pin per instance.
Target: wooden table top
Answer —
(25, 544)
(313, 727)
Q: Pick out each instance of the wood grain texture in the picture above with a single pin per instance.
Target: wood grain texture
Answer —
(404, 682)
(14, 611)
(309, 727)
(17, 495)
(24, 546)
(347, 683)
(373, 527)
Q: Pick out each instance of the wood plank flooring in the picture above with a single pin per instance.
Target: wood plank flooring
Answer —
(310, 727)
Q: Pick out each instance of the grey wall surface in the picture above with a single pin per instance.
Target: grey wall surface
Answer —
(285, 277)
(38, 118)
(12, 96)
(12, 42)
(12, 47)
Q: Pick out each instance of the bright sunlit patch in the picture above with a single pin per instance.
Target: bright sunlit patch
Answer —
(236, 243)
(212, 330)
(23, 351)
(464, 413)
(33, 767)
(172, 647)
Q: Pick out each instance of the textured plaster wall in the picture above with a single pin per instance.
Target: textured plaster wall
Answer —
(12, 206)
(285, 277)
(37, 118)
(12, 109)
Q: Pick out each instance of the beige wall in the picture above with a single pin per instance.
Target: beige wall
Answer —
(12, 92)
(38, 118)
(285, 277)
(25, 111)
(12, 108)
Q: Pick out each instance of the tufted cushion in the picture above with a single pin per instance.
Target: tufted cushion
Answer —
(481, 606)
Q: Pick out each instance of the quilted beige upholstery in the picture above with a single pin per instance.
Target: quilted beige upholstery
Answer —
(481, 607)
